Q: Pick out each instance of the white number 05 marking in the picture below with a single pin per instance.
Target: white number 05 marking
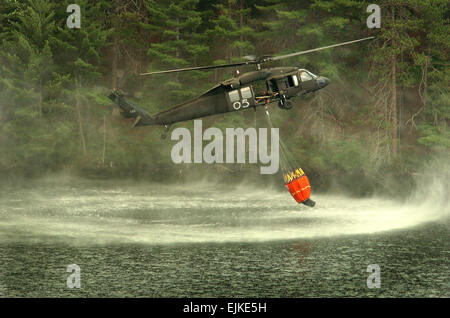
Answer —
(244, 103)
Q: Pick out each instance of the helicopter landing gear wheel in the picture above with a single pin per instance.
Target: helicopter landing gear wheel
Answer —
(283, 103)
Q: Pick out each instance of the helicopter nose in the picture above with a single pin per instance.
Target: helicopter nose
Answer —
(322, 81)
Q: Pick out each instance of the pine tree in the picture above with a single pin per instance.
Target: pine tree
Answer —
(179, 42)
(78, 55)
(231, 31)
(409, 53)
(26, 67)
(432, 74)
(8, 14)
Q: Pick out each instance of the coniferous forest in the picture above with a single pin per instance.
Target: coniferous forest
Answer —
(377, 126)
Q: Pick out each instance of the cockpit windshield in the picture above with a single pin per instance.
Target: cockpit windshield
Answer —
(306, 75)
(314, 76)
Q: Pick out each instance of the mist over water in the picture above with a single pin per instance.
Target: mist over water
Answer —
(206, 239)
(86, 212)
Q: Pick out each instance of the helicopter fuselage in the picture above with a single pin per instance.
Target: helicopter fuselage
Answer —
(280, 84)
(237, 93)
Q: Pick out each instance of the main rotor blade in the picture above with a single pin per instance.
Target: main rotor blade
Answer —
(199, 68)
(260, 61)
(318, 49)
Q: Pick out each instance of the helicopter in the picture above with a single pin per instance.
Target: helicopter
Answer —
(235, 94)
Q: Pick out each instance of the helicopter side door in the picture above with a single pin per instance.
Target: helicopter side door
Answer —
(288, 84)
(240, 98)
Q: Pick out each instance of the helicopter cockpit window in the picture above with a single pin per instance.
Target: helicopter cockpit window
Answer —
(246, 93)
(305, 76)
(234, 96)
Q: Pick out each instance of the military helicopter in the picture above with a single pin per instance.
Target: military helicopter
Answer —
(235, 94)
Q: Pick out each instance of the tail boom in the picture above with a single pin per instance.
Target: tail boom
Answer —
(131, 110)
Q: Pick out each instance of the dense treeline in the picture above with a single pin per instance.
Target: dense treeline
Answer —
(385, 113)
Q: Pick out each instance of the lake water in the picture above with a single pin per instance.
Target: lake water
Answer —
(213, 240)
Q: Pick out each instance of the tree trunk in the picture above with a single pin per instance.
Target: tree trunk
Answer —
(115, 50)
(83, 140)
(40, 97)
(229, 52)
(178, 49)
(104, 139)
(241, 25)
(425, 79)
(393, 106)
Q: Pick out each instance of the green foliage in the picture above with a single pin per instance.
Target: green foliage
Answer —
(434, 136)
(54, 113)
(177, 25)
